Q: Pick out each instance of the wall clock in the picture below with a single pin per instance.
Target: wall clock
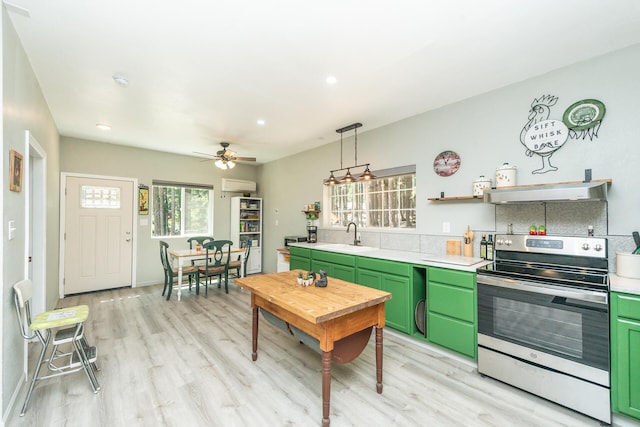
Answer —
(446, 163)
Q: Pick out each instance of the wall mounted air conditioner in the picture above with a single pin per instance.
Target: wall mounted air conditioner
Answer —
(238, 186)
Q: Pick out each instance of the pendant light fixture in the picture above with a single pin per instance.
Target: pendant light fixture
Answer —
(348, 178)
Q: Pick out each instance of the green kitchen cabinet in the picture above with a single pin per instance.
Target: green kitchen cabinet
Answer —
(368, 278)
(625, 354)
(398, 314)
(451, 310)
(340, 266)
(395, 278)
(299, 259)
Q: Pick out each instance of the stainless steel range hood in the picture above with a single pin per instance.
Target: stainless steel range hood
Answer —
(572, 192)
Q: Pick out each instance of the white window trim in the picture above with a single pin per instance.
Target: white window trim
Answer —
(325, 224)
(162, 183)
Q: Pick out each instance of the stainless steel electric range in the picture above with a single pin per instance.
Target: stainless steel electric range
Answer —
(543, 319)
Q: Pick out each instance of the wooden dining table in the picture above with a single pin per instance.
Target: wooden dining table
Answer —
(339, 316)
(185, 255)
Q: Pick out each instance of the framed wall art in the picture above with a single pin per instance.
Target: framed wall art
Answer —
(143, 200)
(15, 171)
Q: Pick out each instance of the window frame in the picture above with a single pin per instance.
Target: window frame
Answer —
(183, 187)
(379, 174)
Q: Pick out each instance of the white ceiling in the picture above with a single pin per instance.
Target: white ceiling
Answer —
(204, 71)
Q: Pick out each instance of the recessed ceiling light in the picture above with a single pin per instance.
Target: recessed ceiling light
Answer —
(103, 126)
(120, 80)
(261, 122)
(331, 80)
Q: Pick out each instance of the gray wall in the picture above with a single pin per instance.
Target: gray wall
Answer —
(24, 108)
(484, 131)
(94, 158)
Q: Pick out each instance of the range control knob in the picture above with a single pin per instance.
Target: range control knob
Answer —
(499, 242)
(585, 246)
(508, 242)
(598, 247)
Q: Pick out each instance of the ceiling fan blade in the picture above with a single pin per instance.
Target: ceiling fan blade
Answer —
(205, 154)
(245, 159)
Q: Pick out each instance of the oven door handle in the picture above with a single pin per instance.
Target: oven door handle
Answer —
(559, 291)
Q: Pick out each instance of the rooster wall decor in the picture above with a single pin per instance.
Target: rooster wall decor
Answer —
(543, 136)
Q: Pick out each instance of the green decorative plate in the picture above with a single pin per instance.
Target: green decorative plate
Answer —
(584, 114)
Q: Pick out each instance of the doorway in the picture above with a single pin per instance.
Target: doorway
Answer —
(97, 235)
(36, 212)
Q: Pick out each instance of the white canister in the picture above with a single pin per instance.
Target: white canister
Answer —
(628, 265)
(480, 184)
(506, 176)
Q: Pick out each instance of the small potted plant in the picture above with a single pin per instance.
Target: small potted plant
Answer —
(305, 279)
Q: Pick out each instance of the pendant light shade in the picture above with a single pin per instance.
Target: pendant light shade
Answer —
(332, 180)
(348, 178)
(367, 175)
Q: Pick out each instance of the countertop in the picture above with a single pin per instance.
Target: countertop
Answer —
(624, 284)
(417, 258)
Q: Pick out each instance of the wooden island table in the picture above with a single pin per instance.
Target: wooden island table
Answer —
(340, 317)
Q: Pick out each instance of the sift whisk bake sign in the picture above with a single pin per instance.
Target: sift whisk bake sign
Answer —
(543, 136)
(546, 136)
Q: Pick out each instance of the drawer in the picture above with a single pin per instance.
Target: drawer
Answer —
(463, 279)
(299, 263)
(451, 301)
(452, 334)
(384, 266)
(628, 305)
(300, 252)
(334, 258)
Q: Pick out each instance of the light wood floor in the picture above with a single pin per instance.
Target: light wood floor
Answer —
(188, 363)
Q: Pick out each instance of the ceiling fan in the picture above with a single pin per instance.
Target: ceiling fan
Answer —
(226, 158)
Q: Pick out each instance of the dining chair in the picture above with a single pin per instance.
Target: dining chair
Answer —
(217, 258)
(198, 240)
(170, 273)
(193, 242)
(66, 326)
(236, 264)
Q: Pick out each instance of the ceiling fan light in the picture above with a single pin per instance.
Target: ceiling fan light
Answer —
(221, 164)
(231, 164)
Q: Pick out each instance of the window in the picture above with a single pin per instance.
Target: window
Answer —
(181, 209)
(93, 197)
(385, 202)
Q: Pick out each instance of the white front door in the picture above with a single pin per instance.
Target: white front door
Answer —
(98, 240)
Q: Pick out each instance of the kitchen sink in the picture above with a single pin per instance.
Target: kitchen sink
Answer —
(344, 247)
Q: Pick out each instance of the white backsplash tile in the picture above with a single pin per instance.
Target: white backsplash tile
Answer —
(560, 219)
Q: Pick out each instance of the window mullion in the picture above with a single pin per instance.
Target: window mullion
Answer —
(183, 210)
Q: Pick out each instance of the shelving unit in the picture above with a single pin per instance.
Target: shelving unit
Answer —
(481, 198)
(456, 198)
(246, 225)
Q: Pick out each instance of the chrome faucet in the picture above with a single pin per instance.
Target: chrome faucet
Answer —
(356, 241)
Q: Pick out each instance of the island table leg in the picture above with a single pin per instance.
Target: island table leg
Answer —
(379, 359)
(254, 335)
(326, 387)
